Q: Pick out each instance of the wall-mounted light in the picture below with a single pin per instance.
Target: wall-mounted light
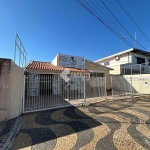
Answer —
(117, 57)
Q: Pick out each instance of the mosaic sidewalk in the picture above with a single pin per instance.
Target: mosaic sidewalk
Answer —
(106, 125)
(9, 133)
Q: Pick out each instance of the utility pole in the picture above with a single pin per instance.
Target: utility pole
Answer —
(121, 37)
(135, 39)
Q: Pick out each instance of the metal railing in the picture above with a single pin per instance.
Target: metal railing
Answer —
(135, 69)
(52, 91)
(20, 54)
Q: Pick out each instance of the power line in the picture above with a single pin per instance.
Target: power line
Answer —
(104, 14)
(118, 35)
(133, 20)
(109, 20)
(102, 21)
(102, 17)
(120, 23)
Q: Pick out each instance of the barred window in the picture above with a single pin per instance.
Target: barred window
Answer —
(149, 62)
(97, 75)
(140, 60)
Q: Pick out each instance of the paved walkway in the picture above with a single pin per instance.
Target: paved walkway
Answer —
(108, 125)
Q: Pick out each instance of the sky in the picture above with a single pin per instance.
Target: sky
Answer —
(50, 27)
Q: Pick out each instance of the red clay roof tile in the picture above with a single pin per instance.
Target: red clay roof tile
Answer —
(43, 66)
(49, 66)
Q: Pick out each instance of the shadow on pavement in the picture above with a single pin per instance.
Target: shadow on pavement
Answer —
(48, 126)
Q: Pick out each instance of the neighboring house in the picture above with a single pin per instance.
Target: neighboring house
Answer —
(131, 61)
(75, 65)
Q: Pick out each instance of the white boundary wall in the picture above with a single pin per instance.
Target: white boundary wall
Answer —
(129, 86)
(15, 96)
(140, 83)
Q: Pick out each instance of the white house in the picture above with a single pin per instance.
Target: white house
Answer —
(131, 61)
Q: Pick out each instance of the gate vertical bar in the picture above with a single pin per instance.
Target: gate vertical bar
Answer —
(51, 96)
(23, 103)
(131, 88)
(84, 90)
(99, 83)
(112, 87)
(40, 87)
(105, 88)
(124, 71)
(46, 91)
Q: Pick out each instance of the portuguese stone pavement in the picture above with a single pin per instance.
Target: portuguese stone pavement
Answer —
(108, 125)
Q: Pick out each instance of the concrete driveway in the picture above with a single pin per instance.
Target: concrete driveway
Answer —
(108, 125)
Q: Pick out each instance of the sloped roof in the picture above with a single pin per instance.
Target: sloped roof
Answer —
(43, 66)
(108, 57)
(49, 66)
(133, 50)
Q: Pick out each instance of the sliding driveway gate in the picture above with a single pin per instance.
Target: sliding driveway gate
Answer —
(128, 87)
(52, 91)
